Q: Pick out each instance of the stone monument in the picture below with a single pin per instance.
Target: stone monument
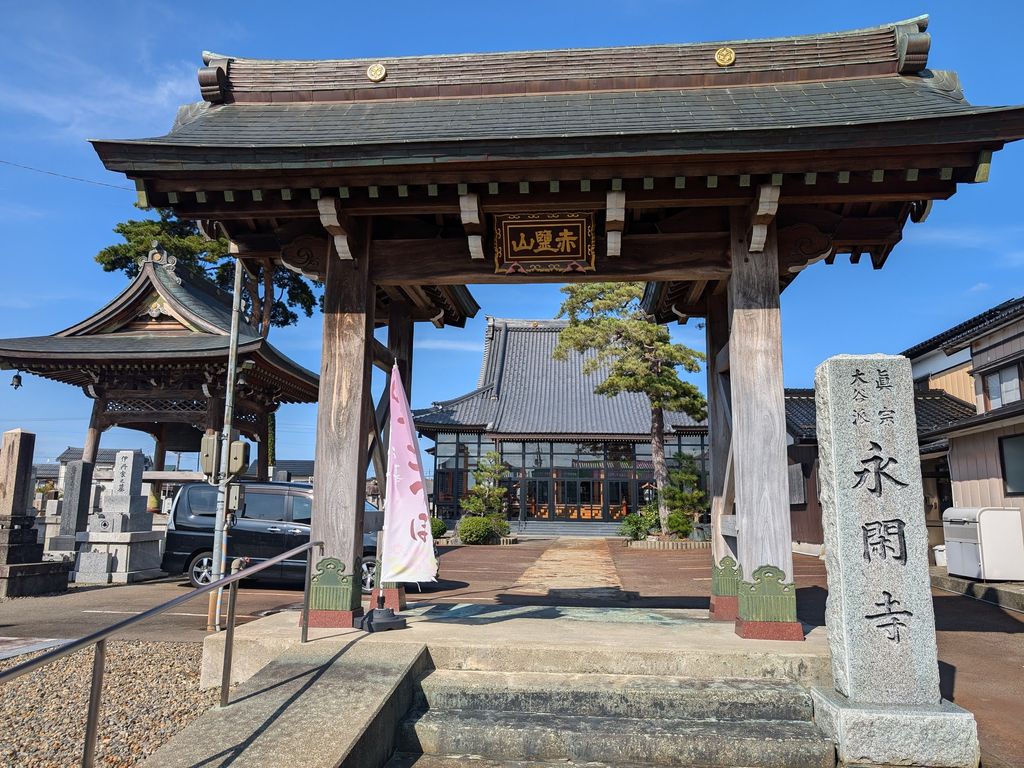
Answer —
(886, 708)
(22, 570)
(73, 510)
(119, 544)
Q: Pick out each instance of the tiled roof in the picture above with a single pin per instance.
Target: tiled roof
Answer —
(524, 391)
(962, 333)
(103, 455)
(783, 94)
(200, 330)
(46, 471)
(933, 407)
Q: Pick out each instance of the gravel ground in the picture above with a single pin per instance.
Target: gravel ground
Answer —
(150, 692)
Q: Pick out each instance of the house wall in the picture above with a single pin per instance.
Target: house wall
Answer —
(976, 471)
(956, 381)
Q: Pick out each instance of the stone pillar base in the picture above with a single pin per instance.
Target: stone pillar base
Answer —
(939, 736)
(394, 598)
(333, 619)
(724, 608)
(769, 630)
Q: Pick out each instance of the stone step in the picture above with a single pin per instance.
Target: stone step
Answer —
(410, 760)
(735, 659)
(514, 736)
(633, 696)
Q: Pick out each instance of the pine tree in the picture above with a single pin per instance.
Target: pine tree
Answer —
(487, 496)
(608, 326)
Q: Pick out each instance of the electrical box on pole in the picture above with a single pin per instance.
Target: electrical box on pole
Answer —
(236, 497)
(238, 457)
(209, 456)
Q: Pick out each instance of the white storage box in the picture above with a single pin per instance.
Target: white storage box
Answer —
(984, 543)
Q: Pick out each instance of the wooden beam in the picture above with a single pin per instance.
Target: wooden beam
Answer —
(762, 213)
(382, 358)
(615, 221)
(719, 424)
(473, 222)
(644, 257)
(337, 224)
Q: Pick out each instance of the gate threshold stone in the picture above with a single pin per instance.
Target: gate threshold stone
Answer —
(632, 641)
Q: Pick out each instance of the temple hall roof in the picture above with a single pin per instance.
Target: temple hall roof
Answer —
(523, 391)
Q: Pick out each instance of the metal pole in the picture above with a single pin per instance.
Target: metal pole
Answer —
(93, 716)
(305, 597)
(229, 636)
(220, 538)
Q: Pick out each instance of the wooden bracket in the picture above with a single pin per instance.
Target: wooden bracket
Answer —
(762, 212)
(473, 221)
(338, 226)
(615, 221)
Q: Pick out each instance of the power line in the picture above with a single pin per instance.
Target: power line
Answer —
(65, 176)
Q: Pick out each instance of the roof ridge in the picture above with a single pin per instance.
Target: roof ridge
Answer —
(921, 22)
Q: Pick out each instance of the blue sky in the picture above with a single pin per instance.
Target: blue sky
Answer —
(73, 71)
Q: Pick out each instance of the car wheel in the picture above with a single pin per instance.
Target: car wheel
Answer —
(369, 576)
(200, 569)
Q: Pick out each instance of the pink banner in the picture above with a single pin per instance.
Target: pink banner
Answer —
(408, 552)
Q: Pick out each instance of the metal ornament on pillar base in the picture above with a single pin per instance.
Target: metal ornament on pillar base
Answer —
(767, 607)
(334, 599)
(886, 708)
(725, 578)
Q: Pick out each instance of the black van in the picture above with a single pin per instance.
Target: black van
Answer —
(275, 518)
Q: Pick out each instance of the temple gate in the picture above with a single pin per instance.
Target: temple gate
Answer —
(715, 171)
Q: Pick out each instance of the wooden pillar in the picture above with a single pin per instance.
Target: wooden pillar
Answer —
(92, 434)
(766, 592)
(263, 452)
(400, 333)
(343, 413)
(724, 564)
(159, 462)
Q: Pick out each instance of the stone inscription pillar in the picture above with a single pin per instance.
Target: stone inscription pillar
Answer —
(886, 708)
(766, 592)
(343, 421)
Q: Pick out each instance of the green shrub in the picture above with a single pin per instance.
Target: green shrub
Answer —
(499, 525)
(437, 527)
(680, 523)
(476, 530)
(636, 525)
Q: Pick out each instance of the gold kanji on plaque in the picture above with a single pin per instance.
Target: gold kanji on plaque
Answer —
(543, 242)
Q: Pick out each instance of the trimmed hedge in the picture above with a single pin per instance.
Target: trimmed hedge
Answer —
(438, 528)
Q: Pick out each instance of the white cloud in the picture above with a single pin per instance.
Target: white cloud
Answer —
(19, 212)
(979, 287)
(450, 345)
(82, 100)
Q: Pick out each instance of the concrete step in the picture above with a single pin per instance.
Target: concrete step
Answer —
(634, 696)
(731, 660)
(408, 760)
(514, 736)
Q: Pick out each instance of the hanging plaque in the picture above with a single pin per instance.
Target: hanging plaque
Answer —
(543, 242)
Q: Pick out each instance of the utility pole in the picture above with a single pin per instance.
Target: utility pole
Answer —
(220, 534)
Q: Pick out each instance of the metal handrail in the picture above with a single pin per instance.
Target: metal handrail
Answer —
(99, 638)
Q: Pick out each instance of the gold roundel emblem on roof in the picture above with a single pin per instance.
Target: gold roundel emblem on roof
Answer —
(725, 57)
(376, 72)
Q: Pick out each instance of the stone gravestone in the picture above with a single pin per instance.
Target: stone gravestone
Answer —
(886, 708)
(22, 570)
(122, 508)
(74, 509)
(119, 544)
